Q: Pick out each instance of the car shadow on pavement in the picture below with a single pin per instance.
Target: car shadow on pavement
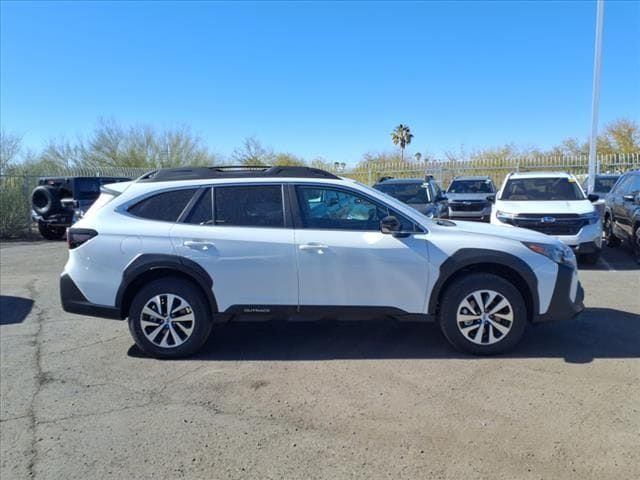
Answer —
(597, 333)
(620, 259)
(14, 309)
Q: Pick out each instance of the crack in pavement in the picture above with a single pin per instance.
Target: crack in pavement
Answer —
(9, 419)
(87, 345)
(40, 378)
(95, 414)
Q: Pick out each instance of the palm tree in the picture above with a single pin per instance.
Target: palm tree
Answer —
(401, 136)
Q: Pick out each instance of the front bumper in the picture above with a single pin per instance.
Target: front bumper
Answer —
(588, 237)
(587, 247)
(74, 301)
(483, 214)
(568, 297)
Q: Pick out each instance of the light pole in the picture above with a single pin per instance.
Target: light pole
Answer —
(595, 99)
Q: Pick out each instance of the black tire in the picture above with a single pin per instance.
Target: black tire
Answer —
(45, 200)
(636, 243)
(610, 238)
(50, 232)
(201, 314)
(452, 301)
(591, 258)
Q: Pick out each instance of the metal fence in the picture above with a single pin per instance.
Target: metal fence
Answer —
(496, 168)
(17, 184)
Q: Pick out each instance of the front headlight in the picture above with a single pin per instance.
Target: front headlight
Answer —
(504, 217)
(558, 253)
(592, 217)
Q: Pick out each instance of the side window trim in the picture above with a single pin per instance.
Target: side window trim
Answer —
(192, 203)
(299, 224)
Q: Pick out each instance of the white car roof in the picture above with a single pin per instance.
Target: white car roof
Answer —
(540, 175)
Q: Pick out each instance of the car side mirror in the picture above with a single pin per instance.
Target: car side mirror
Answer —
(629, 198)
(593, 197)
(390, 225)
(491, 198)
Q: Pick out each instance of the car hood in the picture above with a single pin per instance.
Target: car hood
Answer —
(478, 228)
(460, 197)
(552, 206)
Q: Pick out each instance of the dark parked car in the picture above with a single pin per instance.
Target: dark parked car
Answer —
(603, 184)
(622, 213)
(423, 194)
(468, 198)
(58, 202)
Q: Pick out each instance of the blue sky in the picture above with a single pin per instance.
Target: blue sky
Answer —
(318, 79)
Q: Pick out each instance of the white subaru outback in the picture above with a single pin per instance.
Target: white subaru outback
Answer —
(180, 249)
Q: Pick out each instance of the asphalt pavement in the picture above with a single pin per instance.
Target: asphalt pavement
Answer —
(333, 400)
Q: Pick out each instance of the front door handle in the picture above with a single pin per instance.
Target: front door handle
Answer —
(199, 245)
(314, 246)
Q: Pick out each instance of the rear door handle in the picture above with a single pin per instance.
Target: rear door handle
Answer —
(199, 244)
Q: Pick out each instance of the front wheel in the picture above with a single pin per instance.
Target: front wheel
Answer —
(610, 238)
(483, 314)
(170, 318)
(636, 244)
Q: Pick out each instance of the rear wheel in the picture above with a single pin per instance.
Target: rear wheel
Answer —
(483, 314)
(609, 237)
(50, 232)
(170, 318)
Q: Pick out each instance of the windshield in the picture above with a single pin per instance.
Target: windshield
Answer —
(410, 193)
(541, 189)
(471, 186)
(604, 184)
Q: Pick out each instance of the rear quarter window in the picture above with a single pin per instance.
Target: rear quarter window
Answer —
(164, 207)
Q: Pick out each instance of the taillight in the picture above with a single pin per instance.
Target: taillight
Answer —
(77, 236)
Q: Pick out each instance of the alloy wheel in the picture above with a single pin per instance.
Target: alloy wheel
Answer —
(167, 320)
(484, 317)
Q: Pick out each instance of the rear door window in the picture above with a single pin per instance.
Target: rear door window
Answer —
(249, 206)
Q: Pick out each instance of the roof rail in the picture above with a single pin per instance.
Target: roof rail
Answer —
(231, 171)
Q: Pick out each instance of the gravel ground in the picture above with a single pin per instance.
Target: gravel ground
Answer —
(330, 400)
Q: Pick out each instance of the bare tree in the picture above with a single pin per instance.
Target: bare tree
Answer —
(10, 146)
(252, 152)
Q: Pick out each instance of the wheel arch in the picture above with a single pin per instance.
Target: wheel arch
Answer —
(149, 267)
(504, 265)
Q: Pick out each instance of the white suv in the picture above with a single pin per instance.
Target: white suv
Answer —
(552, 203)
(180, 249)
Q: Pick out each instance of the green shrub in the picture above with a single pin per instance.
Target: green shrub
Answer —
(14, 208)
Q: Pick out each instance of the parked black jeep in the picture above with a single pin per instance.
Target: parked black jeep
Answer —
(58, 202)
